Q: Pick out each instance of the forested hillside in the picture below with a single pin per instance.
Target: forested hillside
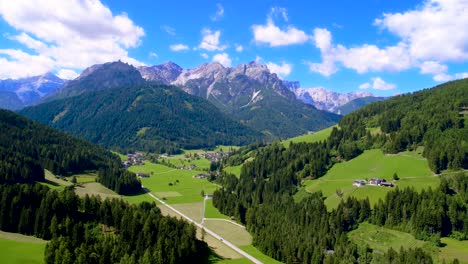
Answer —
(282, 228)
(27, 148)
(90, 230)
(145, 117)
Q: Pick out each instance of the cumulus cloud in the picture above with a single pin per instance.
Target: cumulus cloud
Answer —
(178, 47)
(239, 48)
(436, 30)
(210, 40)
(223, 58)
(67, 74)
(219, 13)
(282, 70)
(153, 54)
(204, 55)
(275, 36)
(430, 35)
(66, 34)
(378, 84)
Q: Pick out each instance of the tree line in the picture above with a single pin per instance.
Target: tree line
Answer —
(27, 148)
(91, 230)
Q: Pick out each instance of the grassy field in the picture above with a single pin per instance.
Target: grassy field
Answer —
(258, 254)
(213, 212)
(181, 186)
(16, 248)
(236, 170)
(454, 249)
(95, 188)
(229, 231)
(381, 239)
(309, 138)
(411, 168)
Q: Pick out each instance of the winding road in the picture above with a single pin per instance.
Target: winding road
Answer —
(208, 231)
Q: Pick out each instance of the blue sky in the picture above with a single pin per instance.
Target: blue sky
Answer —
(384, 47)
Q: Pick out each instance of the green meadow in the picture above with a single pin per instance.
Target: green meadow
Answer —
(18, 249)
(411, 168)
(380, 239)
(173, 185)
(236, 170)
(310, 138)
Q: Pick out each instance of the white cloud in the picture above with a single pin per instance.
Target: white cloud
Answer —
(67, 34)
(279, 11)
(378, 84)
(365, 86)
(204, 55)
(444, 77)
(178, 47)
(67, 74)
(430, 35)
(210, 40)
(169, 30)
(258, 59)
(274, 36)
(222, 58)
(365, 58)
(219, 13)
(435, 30)
(432, 67)
(282, 70)
(18, 64)
(239, 48)
(153, 54)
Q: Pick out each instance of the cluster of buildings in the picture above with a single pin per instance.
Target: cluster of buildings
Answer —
(133, 159)
(374, 182)
(214, 156)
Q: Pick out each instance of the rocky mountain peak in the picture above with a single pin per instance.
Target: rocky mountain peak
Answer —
(164, 73)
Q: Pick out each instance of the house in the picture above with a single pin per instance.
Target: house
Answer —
(376, 181)
(359, 183)
(386, 184)
(208, 196)
(202, 176)
(142, 175)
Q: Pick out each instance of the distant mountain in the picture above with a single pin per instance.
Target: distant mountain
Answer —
(165, 73)
(16, 94)
(100, 77)
(249, 93)
(145, 117)
(331, 101)
(357, 103)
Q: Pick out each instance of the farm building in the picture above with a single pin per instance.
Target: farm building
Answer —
(359, 183)
(386, 184)
(376, 181)
(142, 175)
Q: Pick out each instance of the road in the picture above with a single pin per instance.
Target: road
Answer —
(208, 231)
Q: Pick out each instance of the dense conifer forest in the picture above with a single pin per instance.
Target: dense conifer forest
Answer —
(27, 148)
(144, 117)
(284, 229)
(90, 230)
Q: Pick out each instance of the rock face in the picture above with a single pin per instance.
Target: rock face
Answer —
(16, 94)
(248, 92)
(327, 100)
(165, 73)
(100, 77)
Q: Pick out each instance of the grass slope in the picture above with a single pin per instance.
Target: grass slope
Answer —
(380, 239)
(411, 167)
(310, 138)
(16, 248)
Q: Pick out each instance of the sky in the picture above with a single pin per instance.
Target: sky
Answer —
(378, 46)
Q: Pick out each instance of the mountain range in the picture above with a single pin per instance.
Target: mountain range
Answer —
(249, 93)
(16, 94)
(129, 113)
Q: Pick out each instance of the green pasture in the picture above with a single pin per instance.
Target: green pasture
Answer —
(165, 180)
(17, 248)
(213, 212)
(310, 138)
(236, 170)
(411, 168)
